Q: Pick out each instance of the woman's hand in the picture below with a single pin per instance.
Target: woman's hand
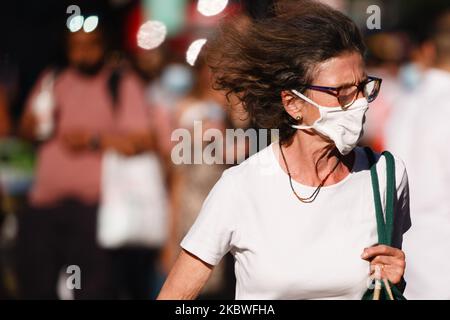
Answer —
(391, 260)
(119, 143)
(77, 140)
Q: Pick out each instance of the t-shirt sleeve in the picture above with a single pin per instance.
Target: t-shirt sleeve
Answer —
(402, 218)
(211, 236)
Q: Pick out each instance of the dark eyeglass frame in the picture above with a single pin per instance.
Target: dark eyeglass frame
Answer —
(334, 91)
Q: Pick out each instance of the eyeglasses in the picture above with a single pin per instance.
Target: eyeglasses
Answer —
(348, 94)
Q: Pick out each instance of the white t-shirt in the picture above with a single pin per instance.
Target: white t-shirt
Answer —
(419, 133)
(285, 249)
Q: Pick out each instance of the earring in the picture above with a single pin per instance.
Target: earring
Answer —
(299, 117)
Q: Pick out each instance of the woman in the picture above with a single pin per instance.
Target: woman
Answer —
(298, 216)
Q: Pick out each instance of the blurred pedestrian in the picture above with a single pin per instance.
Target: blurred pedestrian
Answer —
(71, 111)
(418, 132)
(193, 181)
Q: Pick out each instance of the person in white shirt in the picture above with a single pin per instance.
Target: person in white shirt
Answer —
(418, 131)
(299, 215)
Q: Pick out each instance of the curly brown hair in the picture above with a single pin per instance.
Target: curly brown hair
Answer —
(257, 60)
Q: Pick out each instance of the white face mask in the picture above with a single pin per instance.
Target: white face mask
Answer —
(343, 127)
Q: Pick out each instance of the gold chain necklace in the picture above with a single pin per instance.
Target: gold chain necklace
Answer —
(314, 195)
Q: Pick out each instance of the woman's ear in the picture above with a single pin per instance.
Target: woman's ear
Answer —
(291, 104)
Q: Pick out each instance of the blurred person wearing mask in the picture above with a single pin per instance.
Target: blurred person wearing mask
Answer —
(149, 65)
(387, 49)
(418, 132)
(165, 84)
(422, 57)
(192, 182)
(74, 116)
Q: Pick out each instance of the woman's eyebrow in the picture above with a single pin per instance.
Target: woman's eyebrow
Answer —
(348, 84)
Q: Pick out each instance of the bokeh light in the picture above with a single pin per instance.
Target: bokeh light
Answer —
(151, 35)
(194, 50)
(90, 24)
(76, 23)
(211, 7)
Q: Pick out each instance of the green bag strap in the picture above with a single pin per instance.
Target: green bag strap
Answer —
(384, 226)
(390, 195)
(381, 225)
(390, 203)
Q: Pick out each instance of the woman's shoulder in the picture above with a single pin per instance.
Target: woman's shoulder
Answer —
(380, 160)
(250, 173)
(254, 166)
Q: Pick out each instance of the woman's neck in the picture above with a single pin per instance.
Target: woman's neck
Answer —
(310, 159)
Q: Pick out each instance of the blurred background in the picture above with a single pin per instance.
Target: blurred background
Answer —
(90, 93)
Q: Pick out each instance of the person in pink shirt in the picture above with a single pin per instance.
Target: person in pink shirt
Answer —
(76, 116)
